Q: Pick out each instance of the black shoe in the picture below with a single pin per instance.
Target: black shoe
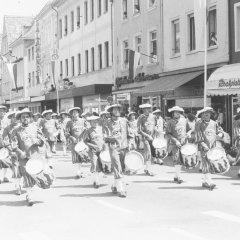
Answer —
(212, 186)
(200, 170)
(175, 179)
(179, 181)
(54, 152)
(123, 194)
(5, 180)
(78, 177)
(148, 173)
(205, 185)
(239, 175)
(29, 201)
(18, 191)
(95, 185)
(114, 190)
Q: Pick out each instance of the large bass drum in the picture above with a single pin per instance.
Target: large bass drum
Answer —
(134, 161)
(39, 170)
(218, 161)
(160, 144)
(189, 155)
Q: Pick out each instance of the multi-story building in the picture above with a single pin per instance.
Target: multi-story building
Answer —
(137, 27)
(84, 69)
(13, 27)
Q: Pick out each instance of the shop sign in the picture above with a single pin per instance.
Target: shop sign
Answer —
(230, 83)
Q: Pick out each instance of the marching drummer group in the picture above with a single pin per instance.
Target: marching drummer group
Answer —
(113, 144)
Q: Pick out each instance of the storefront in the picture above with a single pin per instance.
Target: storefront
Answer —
(66, 104)
(94, 103)
(223, 87)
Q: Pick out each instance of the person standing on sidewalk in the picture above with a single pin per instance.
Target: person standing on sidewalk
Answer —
(64, 119)
(74, 132)
(116, 136)
(177, 131)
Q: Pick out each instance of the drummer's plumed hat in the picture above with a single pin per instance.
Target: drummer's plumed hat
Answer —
(37, 114)
(3, 107)
(61, 113)
(46, 112)
(54, 115)
(206, 109)
(10, 114)
(103, 113)
(157, 111)
(25, 110)
(176, 109)
(145, 105)
(113, 106)
(74, 108)
(92, 118)
(131, 113)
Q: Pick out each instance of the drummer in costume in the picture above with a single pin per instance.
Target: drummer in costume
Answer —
(133, 131)
(177, 131)
(55, 117)
(104, 115)
(117, 131)
(93, 138)
(206, 136)
(37, 118)
(26, 140)
(160, 128)
(147, 123)
(84, 116)
(3, 124)
(7, 137)
(63, 123)
(74, 132)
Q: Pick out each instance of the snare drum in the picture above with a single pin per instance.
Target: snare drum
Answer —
(161, 145)
(5, 159)
(40, 171)
(105, 157)
(218, 161)
(189, 153)
(81, 147)
(134, 161)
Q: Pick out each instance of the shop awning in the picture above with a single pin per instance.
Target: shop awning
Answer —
(224, 81)
(167, 84)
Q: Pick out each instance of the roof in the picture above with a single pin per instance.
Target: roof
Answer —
(14, 26)
(167, 83)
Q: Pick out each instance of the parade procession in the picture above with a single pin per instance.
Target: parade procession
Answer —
(119, 119)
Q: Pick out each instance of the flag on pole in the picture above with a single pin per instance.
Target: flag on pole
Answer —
(200, 19)
(134, 62)
(12, 70)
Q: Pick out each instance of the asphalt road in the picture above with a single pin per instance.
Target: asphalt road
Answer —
(155, 208)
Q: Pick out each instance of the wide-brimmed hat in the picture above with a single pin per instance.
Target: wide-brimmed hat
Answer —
(85, 114)
(54, 115)
(157, 111)
(132, 113)
(206, 109)
(37, 114)
(10, 114)
(102, 113)
(74, 108)
(176, 109)
(25, 110)
(3, 107)
(109, 108)
(92, 118)
(61, 113)
(47, 111)
(145, 105)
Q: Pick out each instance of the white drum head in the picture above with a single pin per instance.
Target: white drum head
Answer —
(4, 153)
(189, 149)
(81, 146)
(34, 167)
(105, 156)
(159, 143)
(134, 160)
(215, 154)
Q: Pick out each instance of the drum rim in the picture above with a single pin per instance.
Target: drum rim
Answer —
(86, 146)
(29, 161)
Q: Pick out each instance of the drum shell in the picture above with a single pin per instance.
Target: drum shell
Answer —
(190, 160)
(134, 164)
(105, 157)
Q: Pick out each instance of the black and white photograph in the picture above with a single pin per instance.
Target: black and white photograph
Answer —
(119, 119)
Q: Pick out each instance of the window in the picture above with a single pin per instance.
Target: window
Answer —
(125, 54)
(32, 53)
(236, 26)
(99, 8)
(92, 10)
(136, 6)
(72, 21)
(212, 27)
(153, 46)
(38, 79)
(29, 55)
(124, 9)
(100, 56)
(60, 28)
(65, 26)
(176, 36)
(66, 67)
(73, 69)
(29, 79)
(191, 33)
(138, 43)
(151, 3)
(78, 17)
(61, 68)
(105, 6)
(85, 12)
(93, 59)
(33, 79)
(86, 62)
(79, 64)
(106, 47)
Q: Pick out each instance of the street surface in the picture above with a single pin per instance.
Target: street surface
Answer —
(155, 208)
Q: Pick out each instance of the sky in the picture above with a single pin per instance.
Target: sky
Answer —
(20, 8)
